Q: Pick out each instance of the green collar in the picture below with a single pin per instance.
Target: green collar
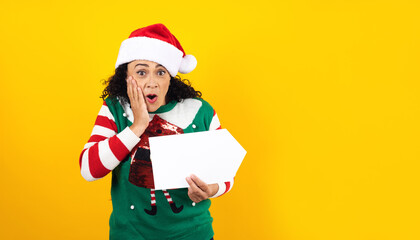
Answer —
(165, 108)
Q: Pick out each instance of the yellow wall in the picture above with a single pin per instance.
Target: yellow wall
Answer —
(324, 95)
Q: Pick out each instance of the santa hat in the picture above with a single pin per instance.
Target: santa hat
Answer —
(155, 43)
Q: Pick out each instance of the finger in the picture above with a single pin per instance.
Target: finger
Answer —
(134, 90)
(134, 93)
(195, 192)
(192, 184)
(128, 79)
(195, 197)
(140, 92)
(141, 96)
(202, 185)
(129, 86)
(130, 89)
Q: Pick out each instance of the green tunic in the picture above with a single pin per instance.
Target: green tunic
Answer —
(129, 219)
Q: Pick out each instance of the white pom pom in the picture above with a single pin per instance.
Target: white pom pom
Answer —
(188, 64)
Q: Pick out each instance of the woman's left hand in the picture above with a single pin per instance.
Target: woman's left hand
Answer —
(199, 190)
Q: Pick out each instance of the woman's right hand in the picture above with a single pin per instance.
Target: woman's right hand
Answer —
(138, 105)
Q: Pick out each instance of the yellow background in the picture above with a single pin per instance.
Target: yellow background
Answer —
(324, 96)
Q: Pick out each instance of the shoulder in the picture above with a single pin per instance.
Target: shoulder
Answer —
(193, 105)
(111, 101)
(197, 104)
(204, 103)
(120, 111)
(205, 113)
(187, 111)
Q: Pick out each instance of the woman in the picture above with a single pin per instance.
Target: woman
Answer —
(145, 98)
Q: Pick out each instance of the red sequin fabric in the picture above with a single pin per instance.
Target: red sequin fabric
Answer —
(141, 173)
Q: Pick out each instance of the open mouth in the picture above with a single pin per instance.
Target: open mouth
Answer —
(151, 98)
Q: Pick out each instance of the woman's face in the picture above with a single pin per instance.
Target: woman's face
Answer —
(153, 79)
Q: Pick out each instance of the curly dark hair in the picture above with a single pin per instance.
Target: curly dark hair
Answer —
(116, 86)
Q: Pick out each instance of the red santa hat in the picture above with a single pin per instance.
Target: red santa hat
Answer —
(155, 43)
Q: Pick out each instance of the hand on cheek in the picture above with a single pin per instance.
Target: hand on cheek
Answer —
(138, 106)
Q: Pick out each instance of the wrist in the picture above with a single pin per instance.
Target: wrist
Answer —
(138, 129)
(214, 189)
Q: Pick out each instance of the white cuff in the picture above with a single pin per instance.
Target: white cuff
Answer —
(128, 138)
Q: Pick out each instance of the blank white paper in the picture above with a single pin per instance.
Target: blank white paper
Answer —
(213, 156)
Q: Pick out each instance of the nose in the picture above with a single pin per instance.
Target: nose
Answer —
(151, 82)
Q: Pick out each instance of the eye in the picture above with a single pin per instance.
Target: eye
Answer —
(141, 73)
(161, 72)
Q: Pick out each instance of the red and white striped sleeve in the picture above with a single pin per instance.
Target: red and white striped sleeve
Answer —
(224, 187)
(105, 148)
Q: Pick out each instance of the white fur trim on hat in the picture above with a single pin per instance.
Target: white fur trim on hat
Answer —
(188, 64)
(151, 49)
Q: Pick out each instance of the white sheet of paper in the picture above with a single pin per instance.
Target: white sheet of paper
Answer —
(213, 156)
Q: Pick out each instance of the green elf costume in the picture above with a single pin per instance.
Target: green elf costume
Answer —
(139, 211)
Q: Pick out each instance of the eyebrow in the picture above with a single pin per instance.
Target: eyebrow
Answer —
(145, 65)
